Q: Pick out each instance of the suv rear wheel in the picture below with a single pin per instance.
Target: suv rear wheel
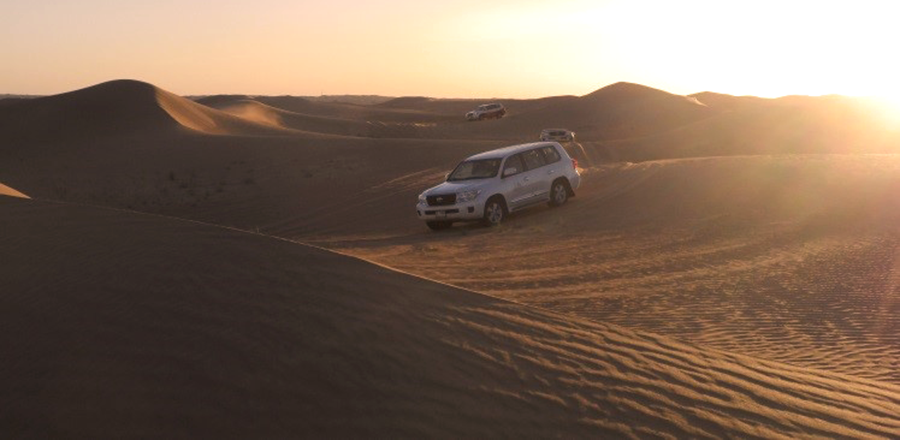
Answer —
(494, 212)
(559, 193)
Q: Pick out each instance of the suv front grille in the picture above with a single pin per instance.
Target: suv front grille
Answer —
(441, 200)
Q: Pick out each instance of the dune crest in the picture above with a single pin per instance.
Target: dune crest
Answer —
(256, 111)
(253, 110)
(7, 191)
(188, 113)
(117, 109)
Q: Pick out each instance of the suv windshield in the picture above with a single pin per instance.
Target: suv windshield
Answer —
(475, 169)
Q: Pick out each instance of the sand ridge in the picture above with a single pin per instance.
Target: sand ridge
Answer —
(120, 108)
(264, 114)
(323, 343)
(11, 192)
(778, 260)
(621, 110)
(337, 110)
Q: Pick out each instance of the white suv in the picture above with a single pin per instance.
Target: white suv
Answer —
(558, 134)
(490, 185)
(486, 111)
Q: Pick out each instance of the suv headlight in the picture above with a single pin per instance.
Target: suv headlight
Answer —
(422, 198)
(468, 196)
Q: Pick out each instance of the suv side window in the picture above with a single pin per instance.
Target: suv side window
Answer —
(514, 161)
(550, 154)
(533, 159)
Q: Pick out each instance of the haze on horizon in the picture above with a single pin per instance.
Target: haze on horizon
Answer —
(513, 49)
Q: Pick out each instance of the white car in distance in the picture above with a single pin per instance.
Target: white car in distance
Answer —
(488, 186)
(558, 135)
(486, 111)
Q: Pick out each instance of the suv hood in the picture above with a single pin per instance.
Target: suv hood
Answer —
(456, 187)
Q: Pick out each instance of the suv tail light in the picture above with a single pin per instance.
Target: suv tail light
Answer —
(574, 164)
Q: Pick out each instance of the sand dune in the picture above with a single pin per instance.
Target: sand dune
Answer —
(791, 258)
(722, 101)
(784, 126)
(6, 101)
(459, 107)
(206, 120)
(7, 191)
(244, 181)
(416, 102)
(155, 326)
(342, 119)
(326, 109)
(261, 113)
(218, 101)
(167, 328)
(625, 121)
(621, 110)
(116, 108)
(618, 111)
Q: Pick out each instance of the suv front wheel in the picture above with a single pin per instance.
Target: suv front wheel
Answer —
(494, 212)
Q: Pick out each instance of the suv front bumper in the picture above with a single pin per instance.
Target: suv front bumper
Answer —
(460, 212)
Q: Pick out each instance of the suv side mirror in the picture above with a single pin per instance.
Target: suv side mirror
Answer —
(510, 171)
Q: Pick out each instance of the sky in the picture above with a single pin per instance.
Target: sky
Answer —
(459, 48)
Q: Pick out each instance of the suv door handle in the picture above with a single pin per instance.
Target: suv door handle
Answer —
(551, 171)
(526, 178)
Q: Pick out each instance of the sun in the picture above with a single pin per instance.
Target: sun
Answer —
(888, 106)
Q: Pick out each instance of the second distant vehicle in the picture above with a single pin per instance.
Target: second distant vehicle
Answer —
(486, 111)
(557, 135)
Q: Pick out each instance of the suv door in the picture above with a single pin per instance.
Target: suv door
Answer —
(519, 190)
(554, 162)
(535, 176)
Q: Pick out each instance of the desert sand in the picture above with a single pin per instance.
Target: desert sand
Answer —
(244, 266)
